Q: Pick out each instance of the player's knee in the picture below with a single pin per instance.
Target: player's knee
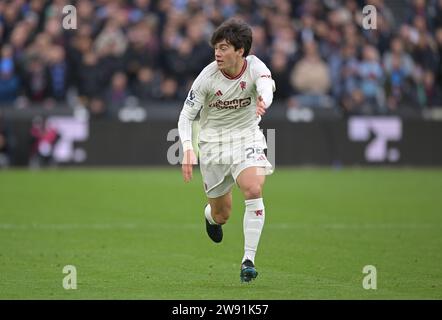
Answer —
(253, 191)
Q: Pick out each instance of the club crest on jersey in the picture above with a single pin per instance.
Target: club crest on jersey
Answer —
(242, 84)
(218, 93)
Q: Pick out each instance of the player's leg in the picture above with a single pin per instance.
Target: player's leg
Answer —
(219, 209)
(251, 181)
(217, 212)
(219, 206)
(217, 185)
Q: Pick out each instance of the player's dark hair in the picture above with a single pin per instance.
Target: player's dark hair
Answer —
(235, 32)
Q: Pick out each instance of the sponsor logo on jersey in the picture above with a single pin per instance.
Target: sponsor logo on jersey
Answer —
(231, 104)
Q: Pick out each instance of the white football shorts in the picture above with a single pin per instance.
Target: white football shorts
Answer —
(221, 163)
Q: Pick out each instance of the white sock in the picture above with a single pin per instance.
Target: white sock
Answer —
(208, 214)
(254, 217)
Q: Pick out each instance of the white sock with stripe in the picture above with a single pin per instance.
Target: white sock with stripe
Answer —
(254, 217)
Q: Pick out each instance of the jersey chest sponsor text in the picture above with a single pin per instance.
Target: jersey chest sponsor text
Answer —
(231, 104)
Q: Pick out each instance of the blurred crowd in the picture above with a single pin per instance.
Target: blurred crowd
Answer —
(318, 51)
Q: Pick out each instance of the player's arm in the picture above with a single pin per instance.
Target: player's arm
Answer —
(185, 131)
(265, 86)
(192, 105)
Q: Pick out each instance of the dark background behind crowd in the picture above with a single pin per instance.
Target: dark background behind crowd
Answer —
(318, 52)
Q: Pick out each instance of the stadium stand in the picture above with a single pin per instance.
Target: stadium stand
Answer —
(154, 49)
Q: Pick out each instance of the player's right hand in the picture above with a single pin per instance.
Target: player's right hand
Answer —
(189, 160)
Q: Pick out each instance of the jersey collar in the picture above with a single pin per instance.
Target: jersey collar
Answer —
(244, 67)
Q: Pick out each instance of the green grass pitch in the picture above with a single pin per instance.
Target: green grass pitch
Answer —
(140, 234)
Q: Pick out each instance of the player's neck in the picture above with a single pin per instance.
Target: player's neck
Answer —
(236, 69)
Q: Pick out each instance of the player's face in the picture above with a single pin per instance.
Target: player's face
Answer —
(227, 58)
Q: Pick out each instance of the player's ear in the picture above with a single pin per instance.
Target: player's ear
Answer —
(241, 52)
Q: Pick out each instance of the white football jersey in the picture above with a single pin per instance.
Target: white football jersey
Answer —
(226, 103)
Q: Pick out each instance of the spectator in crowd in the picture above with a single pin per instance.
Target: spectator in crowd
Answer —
(399, 68)
(202, 53)
(418, 8)
(9, 81)
(346, 79)
(372, 77)
(260, 46)
(36, 80)
(428, 93)
(168, 90)
(284, 39)
(90, 77)
(117, 94)
(178, 61)
(425, 51)
(58, 73)
(280, 65)
(311, 79)
(145, 84)
(397, 53)
(110, 47)
(437, 15)
(143, 47)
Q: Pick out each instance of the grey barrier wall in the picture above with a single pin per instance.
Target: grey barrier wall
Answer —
(353, 141)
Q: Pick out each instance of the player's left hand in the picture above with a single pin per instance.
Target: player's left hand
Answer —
(260, 106)
(189, 159)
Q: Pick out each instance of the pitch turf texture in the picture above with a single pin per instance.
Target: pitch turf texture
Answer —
(140, 234)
